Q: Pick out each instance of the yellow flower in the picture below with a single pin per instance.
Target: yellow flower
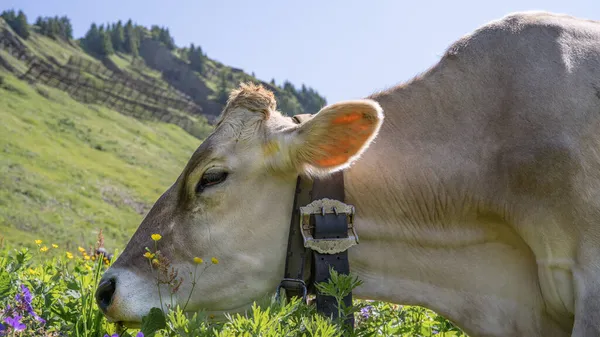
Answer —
(155, 262)
(198, 260)
(148, 255)
(54, 245)
(32, 271)
(214, 260)
(69, 255)
(44, 249)
(156, 237)
(86, 257)
(38, 242)
(88, 267)
(81, 249)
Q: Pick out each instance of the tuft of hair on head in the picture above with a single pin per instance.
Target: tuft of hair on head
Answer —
(252, 97)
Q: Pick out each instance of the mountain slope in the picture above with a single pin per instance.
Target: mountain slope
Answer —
(68, 170)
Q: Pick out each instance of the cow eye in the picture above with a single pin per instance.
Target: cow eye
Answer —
(211, 178)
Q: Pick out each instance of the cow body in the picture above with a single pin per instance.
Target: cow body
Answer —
(478, 196)
(481, 192)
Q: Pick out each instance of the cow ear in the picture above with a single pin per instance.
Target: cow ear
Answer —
(332, 140)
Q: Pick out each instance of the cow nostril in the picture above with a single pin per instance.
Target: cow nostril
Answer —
(105, 292)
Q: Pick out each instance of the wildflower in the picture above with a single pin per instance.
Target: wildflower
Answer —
(15, 322)
(81, 249)
(198, 260)
(139, 334)
(25, 299)
(69, 255)
(156, 237)
(155, 262)
(366, 311)
(32, 271)
(88, 267)
(44, 249)
(54, 246)
(214, 260)
(2, 328)
(86, 257)
(148, 255)
(113, 335)
(38, 242)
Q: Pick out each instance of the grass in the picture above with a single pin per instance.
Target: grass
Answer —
(60, 50)
(54, 296)
(53, 185)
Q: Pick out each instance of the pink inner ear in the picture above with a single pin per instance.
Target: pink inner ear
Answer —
(346, 119)
(332, 161)
(341, 137)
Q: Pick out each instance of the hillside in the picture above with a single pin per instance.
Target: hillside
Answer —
(90, 141)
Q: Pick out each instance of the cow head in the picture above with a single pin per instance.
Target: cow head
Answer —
(233, 201)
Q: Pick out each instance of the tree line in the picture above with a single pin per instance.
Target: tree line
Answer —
(103, 40)
(54, 27)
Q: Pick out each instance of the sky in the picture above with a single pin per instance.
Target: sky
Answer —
(343, 49)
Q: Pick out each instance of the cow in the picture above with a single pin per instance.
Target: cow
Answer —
(476, 186)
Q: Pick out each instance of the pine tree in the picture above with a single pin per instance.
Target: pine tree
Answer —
(107, 47)
(197, 59)
(53, 28)
(289, 87)
(155, 32)
(67, 28)
(118, 37)
(40, 22)
(165, 37)
(222, 91)
(91, 40)
(131, 39)
(20, 25)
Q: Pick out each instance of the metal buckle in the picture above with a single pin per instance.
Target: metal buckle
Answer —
(327, 246)
(292, 280)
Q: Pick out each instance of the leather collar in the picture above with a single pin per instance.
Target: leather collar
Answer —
(304, 266)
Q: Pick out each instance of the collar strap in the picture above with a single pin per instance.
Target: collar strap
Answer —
(321, 231)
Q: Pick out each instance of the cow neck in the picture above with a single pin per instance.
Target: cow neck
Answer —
(305, 267)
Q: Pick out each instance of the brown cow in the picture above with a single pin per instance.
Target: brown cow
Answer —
(477, 196)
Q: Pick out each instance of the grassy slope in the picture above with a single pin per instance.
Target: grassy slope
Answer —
(68, 170)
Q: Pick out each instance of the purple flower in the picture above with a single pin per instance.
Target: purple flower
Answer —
(139, 334)
(15, 322)
(366, 311)
(26, 294)
(2, 328)
(25, 299)
(113, 335)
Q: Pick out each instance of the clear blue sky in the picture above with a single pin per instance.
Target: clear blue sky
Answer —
(344, 49)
